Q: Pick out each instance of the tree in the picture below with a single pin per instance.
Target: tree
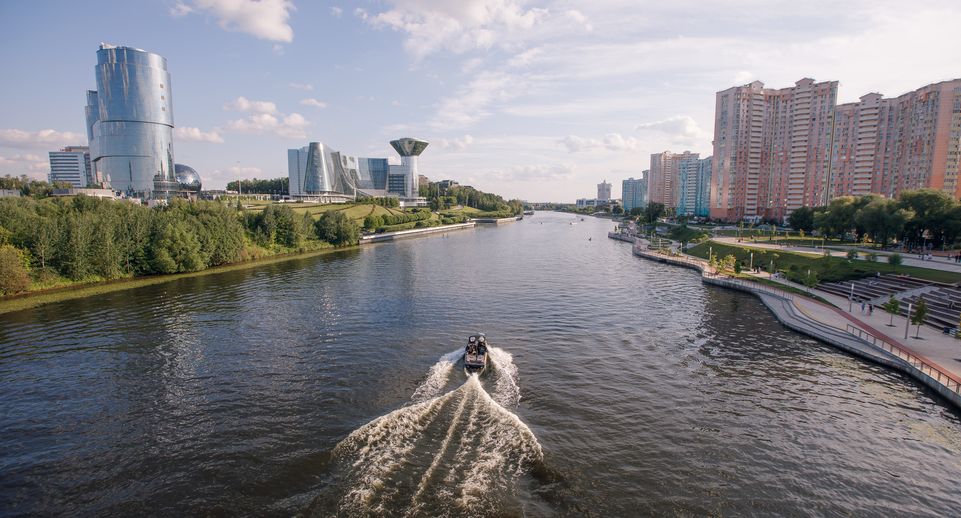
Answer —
(895, 260)
(617, 210)
(871, 257)
(802, 219)
(893, 307)
(852, 254)
(14, 276)
(931, 209)
(653, 211)
(811, 279)
(728, 263)
(337, 229)
(637, 211)
(882, 219)
(920, 313)
(175, 249)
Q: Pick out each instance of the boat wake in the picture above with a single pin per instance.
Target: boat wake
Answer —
(454, 453)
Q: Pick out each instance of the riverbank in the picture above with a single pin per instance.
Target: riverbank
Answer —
(38, 298)
(828, 324)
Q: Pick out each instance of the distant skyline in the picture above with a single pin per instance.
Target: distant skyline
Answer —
(535, 100)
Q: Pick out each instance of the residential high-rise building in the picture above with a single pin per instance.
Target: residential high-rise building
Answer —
(634, 193)
(71, 165)
(702, 203)
(887, 146)
(663, 178)
(130, 122)
(772, 149)
(694, 181)
(604, 191)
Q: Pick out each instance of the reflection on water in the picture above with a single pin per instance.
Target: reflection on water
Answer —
(313, 386)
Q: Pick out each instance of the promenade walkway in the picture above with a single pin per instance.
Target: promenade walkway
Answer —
(934, 359)
(938, 263)
(934, 345)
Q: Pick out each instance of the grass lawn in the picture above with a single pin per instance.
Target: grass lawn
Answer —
(795, 265)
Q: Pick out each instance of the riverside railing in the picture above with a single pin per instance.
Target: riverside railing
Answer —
(951, 382)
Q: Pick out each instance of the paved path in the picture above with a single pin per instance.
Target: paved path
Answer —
(939, 348)
(938, 263)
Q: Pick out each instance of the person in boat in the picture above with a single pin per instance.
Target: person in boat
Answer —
(482, 346)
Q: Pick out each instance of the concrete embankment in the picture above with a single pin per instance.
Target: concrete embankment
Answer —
(859, 340)
(401, 234)
(497, 221)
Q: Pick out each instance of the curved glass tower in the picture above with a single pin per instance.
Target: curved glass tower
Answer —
(130, 122)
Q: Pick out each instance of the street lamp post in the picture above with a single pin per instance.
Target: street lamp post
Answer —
(752, 261)
(907, 322)
(851, 300)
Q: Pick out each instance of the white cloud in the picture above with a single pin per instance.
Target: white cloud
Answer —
(292, 126)
(532, 173)
(432, 25)
(682, 128)
(456, 144)
(313, 103)
(611, 141)
(196, 135)
(301, 86)
(242, 104)
(32, 165)
(473, 101)
(336, 12)
(39, 139)
(263, 19)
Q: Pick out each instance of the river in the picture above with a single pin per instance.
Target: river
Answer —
(328, 386)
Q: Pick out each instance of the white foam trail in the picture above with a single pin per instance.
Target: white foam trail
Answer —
(462, 449)
(437, 377)
(425, 480)
(380, 446)
(506, 390)
(509, 446)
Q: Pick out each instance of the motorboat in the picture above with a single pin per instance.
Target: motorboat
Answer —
(475, 354)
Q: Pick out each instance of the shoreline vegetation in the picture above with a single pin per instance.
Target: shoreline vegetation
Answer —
(54, 249)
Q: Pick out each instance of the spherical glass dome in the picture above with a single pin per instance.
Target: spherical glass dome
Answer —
(187, 177)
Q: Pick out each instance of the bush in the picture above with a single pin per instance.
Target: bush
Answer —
(852, 254)
(337, 229)
(14, 276)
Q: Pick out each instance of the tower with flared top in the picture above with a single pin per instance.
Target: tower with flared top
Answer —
(408, 149)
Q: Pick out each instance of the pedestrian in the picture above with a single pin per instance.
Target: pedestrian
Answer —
(862, 307)
(871, 310)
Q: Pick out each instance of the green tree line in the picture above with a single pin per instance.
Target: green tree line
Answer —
(440, 198)
(914, 218)
(46, 242)
(256, 186)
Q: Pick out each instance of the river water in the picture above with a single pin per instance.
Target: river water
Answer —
(329, 386)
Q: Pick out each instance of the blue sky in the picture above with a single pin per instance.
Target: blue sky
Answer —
(537, 100)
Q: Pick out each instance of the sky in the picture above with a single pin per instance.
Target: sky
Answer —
(533, 100)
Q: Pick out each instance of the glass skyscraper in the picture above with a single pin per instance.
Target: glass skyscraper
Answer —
(130, 122)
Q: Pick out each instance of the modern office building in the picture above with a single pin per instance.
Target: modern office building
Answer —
(71, 165)
(604, 191)
(319, 173)
(634, 193)
(772, 149)
(663, 178)
(130, 123)
(886, 146)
